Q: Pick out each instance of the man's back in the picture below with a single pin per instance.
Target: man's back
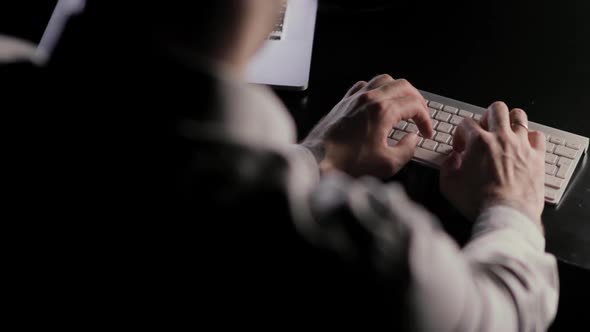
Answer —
(228, 233)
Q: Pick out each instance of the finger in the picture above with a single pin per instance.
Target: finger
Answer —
(485, 120)
(379, 81)
(358, 86)
(405, 109)
(519, 122)
(449, 173)
(537, 140)
(403, 151)
(466, 132)
(451, 165)
(498, 117)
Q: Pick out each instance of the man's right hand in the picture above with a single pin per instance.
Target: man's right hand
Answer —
(353, 136)
(496, 162)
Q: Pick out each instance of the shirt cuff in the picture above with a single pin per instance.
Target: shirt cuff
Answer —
(505, 217)
(307, 161)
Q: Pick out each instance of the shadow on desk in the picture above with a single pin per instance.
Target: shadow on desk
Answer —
(574, 299)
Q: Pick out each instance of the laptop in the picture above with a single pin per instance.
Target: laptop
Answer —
(284, 61)
(36, 43)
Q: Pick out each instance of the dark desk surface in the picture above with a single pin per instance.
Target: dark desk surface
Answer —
(536, 57)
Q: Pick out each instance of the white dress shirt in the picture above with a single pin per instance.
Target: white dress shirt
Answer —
(502, 280)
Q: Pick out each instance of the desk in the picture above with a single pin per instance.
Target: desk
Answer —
(535, 57)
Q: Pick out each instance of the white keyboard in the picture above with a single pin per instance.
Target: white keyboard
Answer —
(564, 150)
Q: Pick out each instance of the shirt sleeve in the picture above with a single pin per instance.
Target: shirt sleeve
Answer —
(501, 281)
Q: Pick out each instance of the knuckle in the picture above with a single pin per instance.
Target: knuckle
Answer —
(518, 112)
(504, 136)
(403, 81)
(366, 97)
(498, 105)
(405, 84)
(380, 106)
(385, 77)
(407, 87)
(540, 135)
(415, 99)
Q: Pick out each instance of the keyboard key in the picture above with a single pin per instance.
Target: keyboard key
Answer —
(551, 194)
(557, 140)
(429, 144)
(553, 182)
(431, 111)
(420, 140)
(442, 137)
(550, 158)
(391, 133)
(564, 161)
(402, 125)
(443, 116)
(565, 152)
(435, 123)
(550, 169)
(573, 146)
(435, 105)
(412, 128)
(465, 114)
(392, 142)
(453, 131)
(550, 147)
(444, 149)
(562, 172)
(477, 117)
(456, 120)
(444, 127)
(398, 135)
(450, 109)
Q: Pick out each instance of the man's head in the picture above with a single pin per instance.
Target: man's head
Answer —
(229, 31)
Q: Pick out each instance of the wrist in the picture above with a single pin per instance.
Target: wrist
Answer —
(327, 166)
(526, 208)
(316, 148)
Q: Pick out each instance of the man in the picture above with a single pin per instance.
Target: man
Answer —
(264, 233)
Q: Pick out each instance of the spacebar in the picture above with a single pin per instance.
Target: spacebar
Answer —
(429, 158)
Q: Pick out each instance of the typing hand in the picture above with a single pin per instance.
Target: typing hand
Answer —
(353, 137)
(496, 162)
